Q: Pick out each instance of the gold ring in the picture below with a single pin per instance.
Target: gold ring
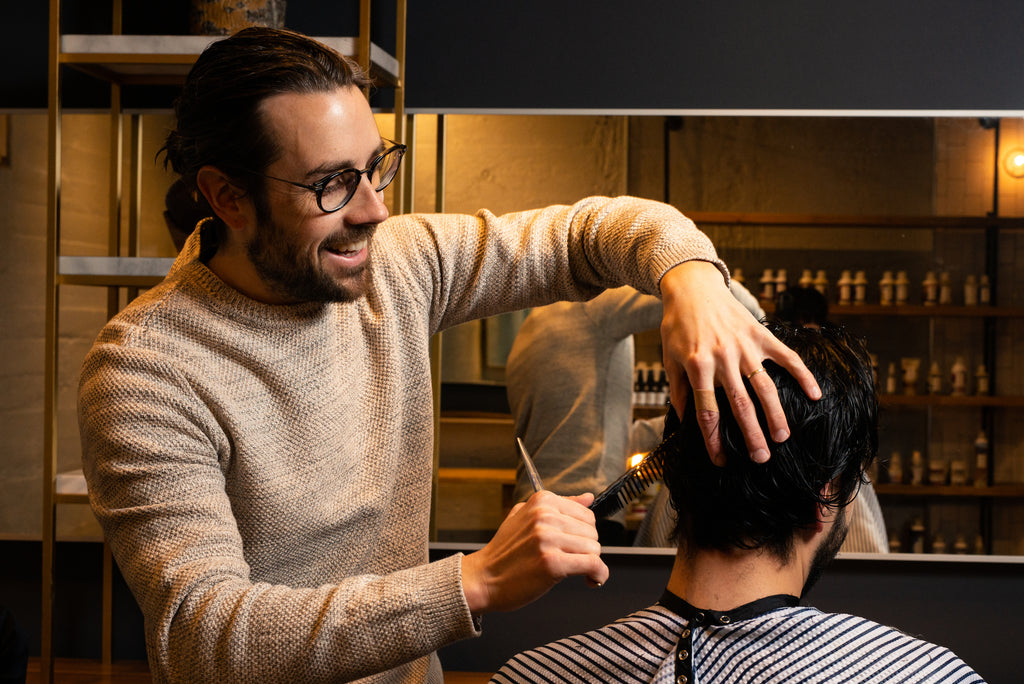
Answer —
(759, 370)
(704, 400)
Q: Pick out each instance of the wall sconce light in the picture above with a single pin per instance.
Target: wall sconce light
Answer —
(1013, 162)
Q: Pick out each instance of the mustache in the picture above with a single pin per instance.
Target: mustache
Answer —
(348, 236)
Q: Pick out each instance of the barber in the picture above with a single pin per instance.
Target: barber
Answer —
(257, 429)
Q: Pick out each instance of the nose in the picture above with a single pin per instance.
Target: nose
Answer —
(366, 206)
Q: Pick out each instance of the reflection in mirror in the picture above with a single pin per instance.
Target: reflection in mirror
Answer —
(821, 202)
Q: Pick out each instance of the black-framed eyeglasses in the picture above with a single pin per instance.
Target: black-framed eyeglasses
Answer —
(334, 190)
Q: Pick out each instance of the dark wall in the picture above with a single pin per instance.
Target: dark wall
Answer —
(647, 54)
(671, 54)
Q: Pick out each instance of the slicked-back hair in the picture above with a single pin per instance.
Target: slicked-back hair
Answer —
(218, 113)
(746, 505)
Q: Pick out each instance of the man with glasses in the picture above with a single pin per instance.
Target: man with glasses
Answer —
(257, 429)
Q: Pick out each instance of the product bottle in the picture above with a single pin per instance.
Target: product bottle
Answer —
(958, 375)
(916, 468)
(860, 288)
(981, 464)
(780, 281)
(945, 289)
(821, 282)
(651, 389)
(934, 379)
(885, 289)
(896, 468)
(917, 536)
(662, 397)
(930, 287)
(960, 545)
(737, 275)
(981, 380)
(767, 285)
(890, 380)
(970, 291)
(939, 544)
(638, 387)
(806, 279)
(984, 291)
(845, 284)
(902, 287)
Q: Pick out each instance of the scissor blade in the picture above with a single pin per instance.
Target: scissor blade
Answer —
(531, 470)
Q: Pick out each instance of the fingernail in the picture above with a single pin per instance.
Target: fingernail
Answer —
(781, 435)
(761, 456)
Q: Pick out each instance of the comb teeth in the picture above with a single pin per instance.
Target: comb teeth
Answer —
(631, 484)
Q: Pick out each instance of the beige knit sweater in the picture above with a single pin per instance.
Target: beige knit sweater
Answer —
(262, 473)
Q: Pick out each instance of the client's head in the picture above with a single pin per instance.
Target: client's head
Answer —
(751, 506)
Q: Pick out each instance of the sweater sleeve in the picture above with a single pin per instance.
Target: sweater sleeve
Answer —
(486, 264)
(155, 457)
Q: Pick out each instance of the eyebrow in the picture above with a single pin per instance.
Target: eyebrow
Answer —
(326, 169)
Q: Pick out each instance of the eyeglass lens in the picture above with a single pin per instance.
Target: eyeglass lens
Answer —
(343, 186)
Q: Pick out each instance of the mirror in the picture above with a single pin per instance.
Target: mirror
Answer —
(777, 193)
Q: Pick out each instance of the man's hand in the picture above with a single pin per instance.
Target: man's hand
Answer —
(541, 542)
(709, 339)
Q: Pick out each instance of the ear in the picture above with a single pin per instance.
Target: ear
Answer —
(228, 201)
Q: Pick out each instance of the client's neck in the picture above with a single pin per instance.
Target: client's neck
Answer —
(717, 580)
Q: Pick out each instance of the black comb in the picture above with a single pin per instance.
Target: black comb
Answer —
(633, 482)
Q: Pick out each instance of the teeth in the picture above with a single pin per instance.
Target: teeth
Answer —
(350, 247)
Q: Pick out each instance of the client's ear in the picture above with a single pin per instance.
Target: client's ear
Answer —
(227, 200)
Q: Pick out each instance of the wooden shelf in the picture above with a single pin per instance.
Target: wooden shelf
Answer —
(944, 400)
(166, 60)
(112, 271)
(827, 221)
(945, 311)
(1007, 491)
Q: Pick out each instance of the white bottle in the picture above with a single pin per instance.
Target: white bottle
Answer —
(860, 288)
(845, 284)
(934, 379)
(930, 287)
(737, 275)
(767, 285)
(806, 279)
(821, 282)
(916, 468)
(970, 291)
(945, 289)
(780, 281)
(981, 380)
(895, 468)
(902, 287)
(886, 289)
(958, 375)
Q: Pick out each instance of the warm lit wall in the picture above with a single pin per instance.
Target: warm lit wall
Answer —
(506, 163)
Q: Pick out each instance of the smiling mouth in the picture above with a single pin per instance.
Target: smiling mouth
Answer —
(347, 249)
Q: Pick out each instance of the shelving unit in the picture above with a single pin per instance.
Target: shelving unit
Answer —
(119, 60)
(897, 325)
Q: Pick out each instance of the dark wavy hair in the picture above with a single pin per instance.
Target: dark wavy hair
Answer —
(746, 505)
(218, 112)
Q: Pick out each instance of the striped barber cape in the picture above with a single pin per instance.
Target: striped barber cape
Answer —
(769, 640)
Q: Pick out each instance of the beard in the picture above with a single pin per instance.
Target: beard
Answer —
(826, 551)
(285, 268)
